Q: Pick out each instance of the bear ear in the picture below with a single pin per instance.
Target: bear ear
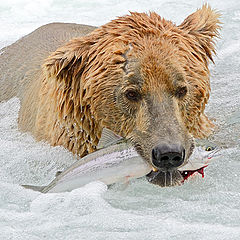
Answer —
(67, 62)
(203, 25)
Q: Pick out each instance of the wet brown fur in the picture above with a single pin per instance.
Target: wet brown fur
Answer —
(80, 88)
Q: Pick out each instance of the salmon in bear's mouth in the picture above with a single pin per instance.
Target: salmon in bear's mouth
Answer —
(165, 179)
(197, 163)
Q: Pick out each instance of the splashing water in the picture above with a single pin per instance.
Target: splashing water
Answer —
(206, 208)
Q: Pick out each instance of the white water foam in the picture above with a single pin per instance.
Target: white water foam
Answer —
(206, 208)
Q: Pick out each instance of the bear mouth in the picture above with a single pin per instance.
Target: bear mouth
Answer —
(172, 178)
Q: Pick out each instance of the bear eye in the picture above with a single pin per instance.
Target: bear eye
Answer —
(133, 95)
(181, 92)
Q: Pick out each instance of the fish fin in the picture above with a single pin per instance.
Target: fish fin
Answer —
(34, 188)
(124, 184)
(108, 138)
(58, 173)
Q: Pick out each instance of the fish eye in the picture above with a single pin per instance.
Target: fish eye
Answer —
(208, 148)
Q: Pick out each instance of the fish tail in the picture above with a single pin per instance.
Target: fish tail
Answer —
(34, 188)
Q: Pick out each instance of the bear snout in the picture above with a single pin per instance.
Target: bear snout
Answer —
(167, 157)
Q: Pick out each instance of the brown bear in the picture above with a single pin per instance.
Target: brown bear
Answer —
(141, 76)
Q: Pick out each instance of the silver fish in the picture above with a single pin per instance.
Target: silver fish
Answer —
(117, 161)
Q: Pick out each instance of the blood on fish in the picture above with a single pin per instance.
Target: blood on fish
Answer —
(187, 174)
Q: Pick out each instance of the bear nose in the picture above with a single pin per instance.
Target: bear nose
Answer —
(168, 156)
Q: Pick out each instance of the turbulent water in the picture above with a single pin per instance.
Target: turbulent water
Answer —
(206, 208)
